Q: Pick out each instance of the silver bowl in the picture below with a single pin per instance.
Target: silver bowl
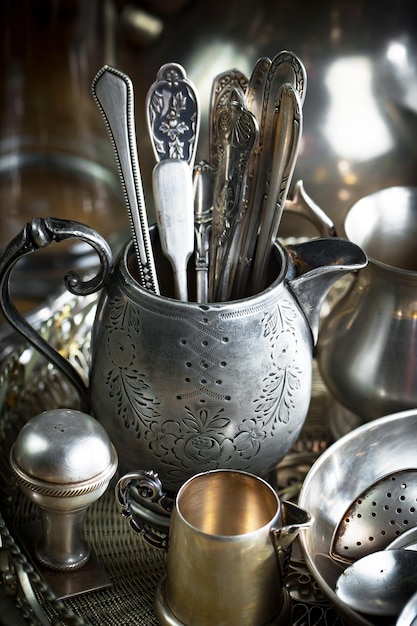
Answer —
(343, 471)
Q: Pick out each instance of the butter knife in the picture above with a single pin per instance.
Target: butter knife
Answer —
(113, 93)
(173, 116)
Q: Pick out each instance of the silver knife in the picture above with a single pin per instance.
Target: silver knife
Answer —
(173, 116)
(113, 93)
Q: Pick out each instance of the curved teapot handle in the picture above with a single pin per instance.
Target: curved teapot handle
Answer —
(301, 204)
(150, 489)
(39, 233)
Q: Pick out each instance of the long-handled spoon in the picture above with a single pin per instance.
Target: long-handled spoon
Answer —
(287, 134)
(113, 93)
(173, 116)
(285, 67)
(380, 583)
(236, 131)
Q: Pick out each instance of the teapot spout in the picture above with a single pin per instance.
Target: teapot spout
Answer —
(316, 266)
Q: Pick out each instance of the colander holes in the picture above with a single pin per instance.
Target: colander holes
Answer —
(402, 498)
(391, 522)
(405, 522)
(371, 538)
(383, 533)
(389, 494)
(386, 507)
(373, 514)
(359, 515)
(358, 543)
(403, 486)
(373, 503)
(412, 509)
(347, 520)
(398, 510)
(359, 501)
(398, 533)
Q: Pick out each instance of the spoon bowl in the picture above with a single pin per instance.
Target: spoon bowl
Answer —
(380, 583)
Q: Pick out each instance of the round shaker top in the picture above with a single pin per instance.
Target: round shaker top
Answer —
(63, 446)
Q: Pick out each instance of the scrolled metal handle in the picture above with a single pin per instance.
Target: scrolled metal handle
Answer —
(150, 489)
(40, 233)
(300, 203)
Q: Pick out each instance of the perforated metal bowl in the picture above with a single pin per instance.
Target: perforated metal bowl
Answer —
(344, 470)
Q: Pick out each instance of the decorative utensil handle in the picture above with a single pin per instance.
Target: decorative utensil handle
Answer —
(301, 204)
(113, 92)
(149, 488)
(40, 233)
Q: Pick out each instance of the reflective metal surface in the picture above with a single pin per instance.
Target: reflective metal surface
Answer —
(379, 583)
(366, 349)
(182, 387)
(63, 460)
(360, 110)
(345, 469)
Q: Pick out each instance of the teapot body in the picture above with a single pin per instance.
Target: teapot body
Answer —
(183, 387)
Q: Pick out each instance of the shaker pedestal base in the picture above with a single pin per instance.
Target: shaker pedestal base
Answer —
(89, 577)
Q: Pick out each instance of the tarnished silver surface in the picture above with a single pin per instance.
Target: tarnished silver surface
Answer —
(236, 525)
(182, 387)
(379, 584)
(203, 181)
(287, 125)
(29, 385)
(63, 460)
(222, 85)
(113, 92)
(378, 515)
(37, 234)
(235, 131)
(366, 350)
(345, 469)
(284, 68)
(173, 115)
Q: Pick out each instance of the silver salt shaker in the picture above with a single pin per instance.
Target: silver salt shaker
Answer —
(63, 460)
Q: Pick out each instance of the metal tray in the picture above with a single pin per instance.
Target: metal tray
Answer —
(29, 385)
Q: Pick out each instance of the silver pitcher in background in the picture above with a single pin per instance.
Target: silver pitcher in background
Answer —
(367, 350)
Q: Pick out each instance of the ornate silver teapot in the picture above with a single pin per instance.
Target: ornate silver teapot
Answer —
(183, 387)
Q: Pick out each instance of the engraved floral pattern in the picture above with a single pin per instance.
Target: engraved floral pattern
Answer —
(127, 386)
(196, 437)
(200, 443)
(277, 399)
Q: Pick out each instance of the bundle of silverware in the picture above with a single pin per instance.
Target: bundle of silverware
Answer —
(226, 210)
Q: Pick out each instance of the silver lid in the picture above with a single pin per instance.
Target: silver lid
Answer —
(63, 446)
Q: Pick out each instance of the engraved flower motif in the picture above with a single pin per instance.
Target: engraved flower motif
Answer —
(201, 447)
(284, 350)
(121, 348)
(202, 443)
(249, 438)
(162, 436)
